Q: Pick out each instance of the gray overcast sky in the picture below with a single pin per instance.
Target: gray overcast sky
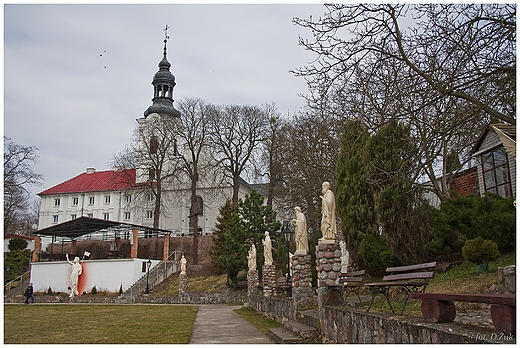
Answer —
(76, 77)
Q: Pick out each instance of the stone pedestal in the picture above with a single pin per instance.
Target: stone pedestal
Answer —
(302, 291)
(301, 271)
(183, 283)
(328, 266)
(252, 282)
(269, 280)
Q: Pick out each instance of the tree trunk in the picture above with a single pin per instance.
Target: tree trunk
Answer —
(194, 215)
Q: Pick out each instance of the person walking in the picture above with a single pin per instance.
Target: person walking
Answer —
(29, 293)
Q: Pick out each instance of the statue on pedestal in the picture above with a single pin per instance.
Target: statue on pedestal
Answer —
(300, 223)
(344, 256)
(251, 258)
(268, 249)
(183, 264)
(328, 214)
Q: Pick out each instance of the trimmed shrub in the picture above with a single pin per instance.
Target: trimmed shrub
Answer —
(480, 251)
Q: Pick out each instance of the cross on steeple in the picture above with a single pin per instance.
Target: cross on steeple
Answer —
(166, 37)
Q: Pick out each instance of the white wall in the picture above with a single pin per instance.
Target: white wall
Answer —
(106, 275)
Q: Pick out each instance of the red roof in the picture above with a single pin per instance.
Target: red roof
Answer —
(109, 180)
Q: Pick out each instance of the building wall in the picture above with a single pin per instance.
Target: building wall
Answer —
(464, 182)
(107, 275)
(174, 215)
(491, 141)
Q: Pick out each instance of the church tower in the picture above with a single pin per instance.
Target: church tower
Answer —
(163, 84)
(159, 126)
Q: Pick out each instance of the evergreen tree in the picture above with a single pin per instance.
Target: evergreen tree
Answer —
(256, 219)
(354, 196)
(238, 227)
(221, 237)
(399, 206)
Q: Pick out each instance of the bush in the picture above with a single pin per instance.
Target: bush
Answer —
(94, 290)
(480, 251)
(376, 255)
(17, 244)
(490, 217)
(49, 291)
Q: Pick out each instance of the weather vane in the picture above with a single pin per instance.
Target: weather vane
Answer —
(166, 37)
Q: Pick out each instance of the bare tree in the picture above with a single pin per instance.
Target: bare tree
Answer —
(267, 160)
(18, 174)
(465, 51)
(236, 132)
(153, 153)
(193, 155)
(309, 146)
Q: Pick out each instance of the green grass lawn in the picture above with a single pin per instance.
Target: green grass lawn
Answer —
(256, 319)
(98, 324)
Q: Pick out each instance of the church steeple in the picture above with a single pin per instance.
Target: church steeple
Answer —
(163, 84)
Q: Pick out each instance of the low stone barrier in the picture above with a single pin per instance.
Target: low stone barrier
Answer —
(274, 308)
(346, 325)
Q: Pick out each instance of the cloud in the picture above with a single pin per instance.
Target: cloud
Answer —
(77, 77)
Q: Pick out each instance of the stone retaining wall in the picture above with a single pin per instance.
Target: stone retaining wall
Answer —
(347, 325)
(274, 308)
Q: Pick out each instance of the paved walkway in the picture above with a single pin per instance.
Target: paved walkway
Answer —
(218, 324)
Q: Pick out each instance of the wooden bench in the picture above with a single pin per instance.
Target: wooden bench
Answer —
(352, 282)
(411, 279)
(439, 308)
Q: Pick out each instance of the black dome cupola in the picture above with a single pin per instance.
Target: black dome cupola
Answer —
(163, 84)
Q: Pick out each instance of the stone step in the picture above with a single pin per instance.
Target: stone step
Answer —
(309, 317)
(281, 335)
(308, 333)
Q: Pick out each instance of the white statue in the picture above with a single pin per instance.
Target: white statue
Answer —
(328, 214)
(344, 256)
(183, 264)
(251, 258)
(75, 272)
(268, 249)
(300, 223)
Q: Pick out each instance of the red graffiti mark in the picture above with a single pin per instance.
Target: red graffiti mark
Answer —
(82, 279)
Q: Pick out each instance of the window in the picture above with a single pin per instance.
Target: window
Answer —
(56, 202)
(91, 200)
(200, 205)
(55, 219)
(495, 168)
(90, 215)
(75, 200)
(127, 215)
(107, 199)
(128, 198)
(149, 214)
(106, 216)
(150, 197)
(154, 144)
(73, 216)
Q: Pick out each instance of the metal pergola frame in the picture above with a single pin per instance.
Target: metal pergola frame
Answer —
(84, 226)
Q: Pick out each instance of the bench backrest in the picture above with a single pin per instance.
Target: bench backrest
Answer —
(352, 277)
(419, 271)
